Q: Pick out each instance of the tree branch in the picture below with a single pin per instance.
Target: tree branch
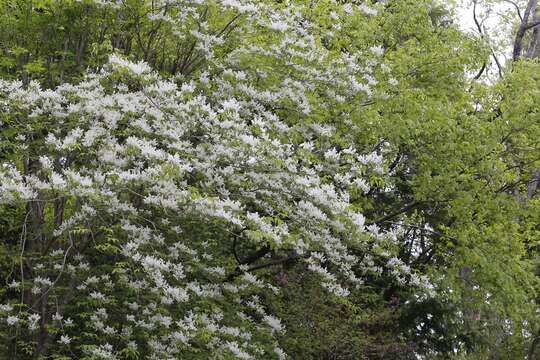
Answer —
(482, 32)
(395, 213)
(524, 26)
(532, 24)
(268, 264)
(516, 6)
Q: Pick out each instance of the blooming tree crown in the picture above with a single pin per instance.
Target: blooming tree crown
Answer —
(161, 201)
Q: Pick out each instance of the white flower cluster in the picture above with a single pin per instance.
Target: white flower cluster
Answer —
(169, 177)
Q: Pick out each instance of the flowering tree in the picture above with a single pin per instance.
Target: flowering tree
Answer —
(150, 209)
(254, 179)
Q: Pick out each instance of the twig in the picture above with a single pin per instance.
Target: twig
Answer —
(64, 260)
(517, 8)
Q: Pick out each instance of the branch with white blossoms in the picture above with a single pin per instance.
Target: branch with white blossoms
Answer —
(138, 186)
(187, 161)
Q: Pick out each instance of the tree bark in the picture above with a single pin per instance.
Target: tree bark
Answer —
(523, 27)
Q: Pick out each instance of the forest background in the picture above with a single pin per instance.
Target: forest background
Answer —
(234, 179)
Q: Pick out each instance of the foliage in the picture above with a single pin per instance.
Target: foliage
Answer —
(234, 179)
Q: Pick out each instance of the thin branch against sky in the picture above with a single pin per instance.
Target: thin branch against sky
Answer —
(496, 19)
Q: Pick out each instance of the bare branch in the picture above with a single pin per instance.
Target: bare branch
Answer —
(516, 6)
(475, 18)
(481, 71)
(497, 62)
(532, 24)
(481, 31)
